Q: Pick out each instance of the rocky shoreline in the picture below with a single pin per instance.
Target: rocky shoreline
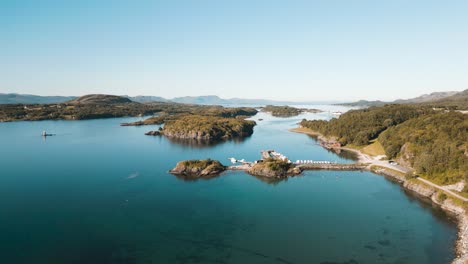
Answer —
(447, 204)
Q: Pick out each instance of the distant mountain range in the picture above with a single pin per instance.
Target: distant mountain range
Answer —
(14, 98)
(206, 100)
(426, 98)
(448, 98)
(216, 100)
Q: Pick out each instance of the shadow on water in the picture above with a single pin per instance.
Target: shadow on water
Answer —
(199, 144)
(426, 203)
(192, 178)
(267, 180)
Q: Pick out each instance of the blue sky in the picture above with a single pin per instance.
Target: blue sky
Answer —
(294, 50)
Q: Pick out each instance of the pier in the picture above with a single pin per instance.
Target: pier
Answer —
(332, 166)
(302, 164)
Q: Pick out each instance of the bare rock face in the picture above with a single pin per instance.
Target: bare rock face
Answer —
(406, 156)
(425, 191)
(198, 168)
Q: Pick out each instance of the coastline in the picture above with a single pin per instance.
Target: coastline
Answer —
(450, 205)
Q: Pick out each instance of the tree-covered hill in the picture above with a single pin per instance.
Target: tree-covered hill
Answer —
(360, 126)
(433, 142)
(435, 145)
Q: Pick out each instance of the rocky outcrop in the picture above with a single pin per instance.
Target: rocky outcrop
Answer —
(419, 188)
(153, 133)
(198, 168)
(274, 169)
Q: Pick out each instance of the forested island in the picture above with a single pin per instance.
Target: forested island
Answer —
(205, 128)
(286, 111)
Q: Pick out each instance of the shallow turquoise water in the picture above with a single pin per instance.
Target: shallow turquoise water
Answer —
(100, 193)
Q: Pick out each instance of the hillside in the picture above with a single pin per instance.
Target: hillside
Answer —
(458, 101)
(426, 98)
(433, 142)
(99, 99)
(360, 126)
(435, 145)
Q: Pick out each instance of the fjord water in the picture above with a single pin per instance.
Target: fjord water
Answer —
(100, 193)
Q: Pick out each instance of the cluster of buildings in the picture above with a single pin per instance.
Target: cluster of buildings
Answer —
(279, 156)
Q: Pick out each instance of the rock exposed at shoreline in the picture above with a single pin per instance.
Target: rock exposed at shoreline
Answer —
(198, 168)
(153, 133)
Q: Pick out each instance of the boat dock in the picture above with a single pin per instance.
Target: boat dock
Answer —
(302, 164)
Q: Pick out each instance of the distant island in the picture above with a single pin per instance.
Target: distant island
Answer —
(286, 111)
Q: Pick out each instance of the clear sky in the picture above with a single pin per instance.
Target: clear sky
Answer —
(294, 50)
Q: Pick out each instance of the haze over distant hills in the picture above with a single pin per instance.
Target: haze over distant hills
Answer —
(13, 98)
(216, 100)
(425, 98)
(207, 100)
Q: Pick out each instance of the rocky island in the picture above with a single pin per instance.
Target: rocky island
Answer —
(274, 168)
(198, 168)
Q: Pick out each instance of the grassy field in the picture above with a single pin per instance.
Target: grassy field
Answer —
(373, 149)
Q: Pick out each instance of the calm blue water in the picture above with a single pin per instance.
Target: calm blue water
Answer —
(100, 193)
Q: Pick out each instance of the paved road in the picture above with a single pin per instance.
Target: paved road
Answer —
(383, 163)
(443, 189)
